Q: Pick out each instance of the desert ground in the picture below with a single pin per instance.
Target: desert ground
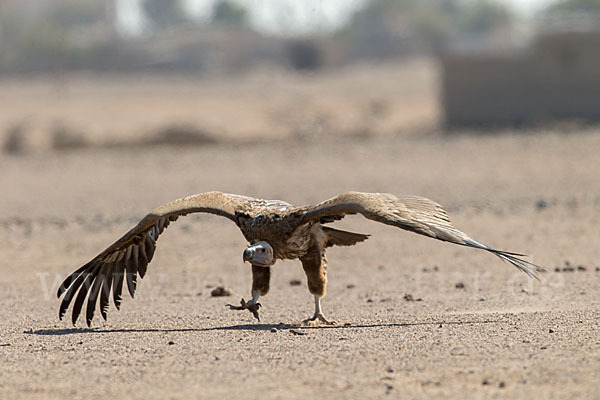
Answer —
(416, 318)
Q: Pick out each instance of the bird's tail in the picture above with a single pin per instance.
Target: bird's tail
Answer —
(336, 237)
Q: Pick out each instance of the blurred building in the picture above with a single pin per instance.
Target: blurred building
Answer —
(557, 77)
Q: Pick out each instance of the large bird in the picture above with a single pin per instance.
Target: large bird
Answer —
(275, 230)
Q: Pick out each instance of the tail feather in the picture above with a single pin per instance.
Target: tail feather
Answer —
(336, 237)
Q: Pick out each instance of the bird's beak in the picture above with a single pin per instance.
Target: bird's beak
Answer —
(248, 254)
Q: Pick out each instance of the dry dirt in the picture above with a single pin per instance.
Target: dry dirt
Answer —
(475, 328)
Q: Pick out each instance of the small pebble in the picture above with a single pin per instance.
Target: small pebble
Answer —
(581, 268)
(297, 332)
(502, 385)
(541, 204)
(350, 286)
(409, 297)
(460, 285)
(171, 343)
(482, 299)
(347, 324)
(597, 269)
(550, 330)
(273, 330)
(568, 267)
(485, 382)
(295, 282)
(220, 291)
(390, 370)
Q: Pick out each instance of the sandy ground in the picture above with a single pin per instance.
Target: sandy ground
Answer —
(500, 335)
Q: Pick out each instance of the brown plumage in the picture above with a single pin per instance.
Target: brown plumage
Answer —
(275, 230)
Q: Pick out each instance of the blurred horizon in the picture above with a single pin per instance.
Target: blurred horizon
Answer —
(277, 69)
(306, 17)
(229, 36)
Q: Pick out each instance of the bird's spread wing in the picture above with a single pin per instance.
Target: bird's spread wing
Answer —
(416, 214)
(130, 255)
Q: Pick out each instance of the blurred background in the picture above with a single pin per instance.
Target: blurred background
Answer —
(78, 73)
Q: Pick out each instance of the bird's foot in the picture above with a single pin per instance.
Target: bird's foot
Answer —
(317, 319)
(250, 306)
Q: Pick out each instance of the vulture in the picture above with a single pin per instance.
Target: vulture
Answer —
(274, 230)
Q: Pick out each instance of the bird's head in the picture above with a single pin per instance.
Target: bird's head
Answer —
(260, 253)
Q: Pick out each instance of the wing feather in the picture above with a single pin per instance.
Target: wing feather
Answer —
(83, 291)
(131, 254)
(95, 292)
(70, 293)
(412, 213)
(105, 294)
(131, 271)
(118, 277)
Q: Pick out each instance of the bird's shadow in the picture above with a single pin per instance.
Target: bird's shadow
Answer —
(293, 328)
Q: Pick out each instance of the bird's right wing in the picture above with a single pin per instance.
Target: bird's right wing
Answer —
(130, 255)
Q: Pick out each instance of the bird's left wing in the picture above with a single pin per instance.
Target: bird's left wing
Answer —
(130, 255)
(412, 213)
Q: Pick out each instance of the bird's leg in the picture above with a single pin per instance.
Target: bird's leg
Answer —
(318, 317)
(251, 305)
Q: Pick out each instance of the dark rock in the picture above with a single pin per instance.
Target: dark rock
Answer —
(221, 291)
(541, 204)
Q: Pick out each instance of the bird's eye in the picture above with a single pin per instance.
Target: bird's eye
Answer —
(262, 250)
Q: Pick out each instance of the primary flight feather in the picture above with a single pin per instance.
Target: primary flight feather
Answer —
(275, 230)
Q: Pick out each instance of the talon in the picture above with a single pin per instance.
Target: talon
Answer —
(252, 307)
(254, 310)
(318, 319)
(243, 306)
